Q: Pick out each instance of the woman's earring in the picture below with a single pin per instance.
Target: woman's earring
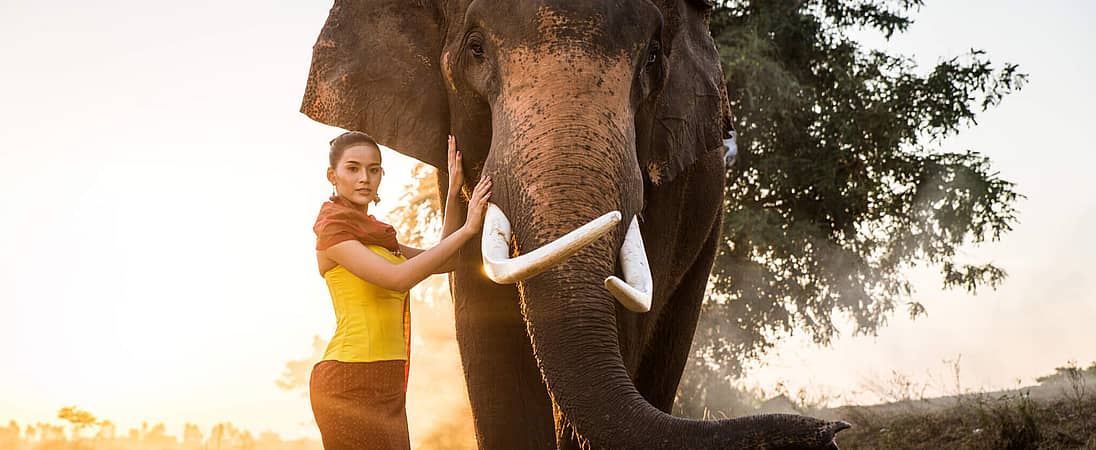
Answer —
(333, 193)
(376, 199)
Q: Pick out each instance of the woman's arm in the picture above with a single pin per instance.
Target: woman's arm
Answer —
(452, 217)
(373, 268)
(451, 220)
(410, 252)
(449, 223)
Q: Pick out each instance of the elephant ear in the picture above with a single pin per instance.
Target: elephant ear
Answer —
(375, 70)
(692, 115)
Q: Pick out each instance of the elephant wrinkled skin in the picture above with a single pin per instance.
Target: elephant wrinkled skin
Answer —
(574, 109)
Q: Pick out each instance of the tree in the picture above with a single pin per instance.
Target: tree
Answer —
(418, 214)
(192, 437)
(9, 436)
(840, 185)
(79, 419)
(106, 431)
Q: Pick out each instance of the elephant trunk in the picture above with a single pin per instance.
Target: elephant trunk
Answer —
(571, 321)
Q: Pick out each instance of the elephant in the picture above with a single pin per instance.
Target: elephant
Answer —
(601, 125)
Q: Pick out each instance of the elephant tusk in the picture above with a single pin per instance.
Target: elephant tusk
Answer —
(635, 294)
(503, 269)
(731, 146)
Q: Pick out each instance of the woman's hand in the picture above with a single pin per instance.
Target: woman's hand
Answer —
(477, 206)
(456, 169)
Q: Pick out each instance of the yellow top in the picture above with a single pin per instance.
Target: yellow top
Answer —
(371, 321)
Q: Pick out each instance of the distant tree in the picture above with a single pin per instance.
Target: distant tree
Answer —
(157, 437)
(1069, 372)
(222, 436)
(78, 418)
(840, 184)
(417, 216)
(106, 431)
(46, 432)
(9, 436)
(192, 437)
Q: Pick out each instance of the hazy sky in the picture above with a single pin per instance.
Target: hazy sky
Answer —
(158, 188)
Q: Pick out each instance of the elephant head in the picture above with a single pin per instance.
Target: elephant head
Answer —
(578, 111)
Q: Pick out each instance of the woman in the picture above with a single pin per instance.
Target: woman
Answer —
(358, 389)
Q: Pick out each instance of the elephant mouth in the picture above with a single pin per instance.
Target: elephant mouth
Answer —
(633, 291)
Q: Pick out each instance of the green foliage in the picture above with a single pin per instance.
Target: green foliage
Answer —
(840, 186)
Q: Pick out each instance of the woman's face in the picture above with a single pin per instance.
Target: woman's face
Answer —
(358, 174)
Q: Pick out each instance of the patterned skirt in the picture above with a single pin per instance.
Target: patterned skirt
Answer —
(360, 405)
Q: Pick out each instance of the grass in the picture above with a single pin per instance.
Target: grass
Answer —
(1014, 421)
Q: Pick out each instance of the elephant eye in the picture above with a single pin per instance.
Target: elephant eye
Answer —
(652, 53)
(477, 49)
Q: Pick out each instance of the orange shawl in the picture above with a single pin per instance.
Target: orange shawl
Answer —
(339, 221)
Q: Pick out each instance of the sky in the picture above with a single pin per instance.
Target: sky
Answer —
(158, 188)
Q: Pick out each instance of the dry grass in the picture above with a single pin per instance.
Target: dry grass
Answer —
(976, 422)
